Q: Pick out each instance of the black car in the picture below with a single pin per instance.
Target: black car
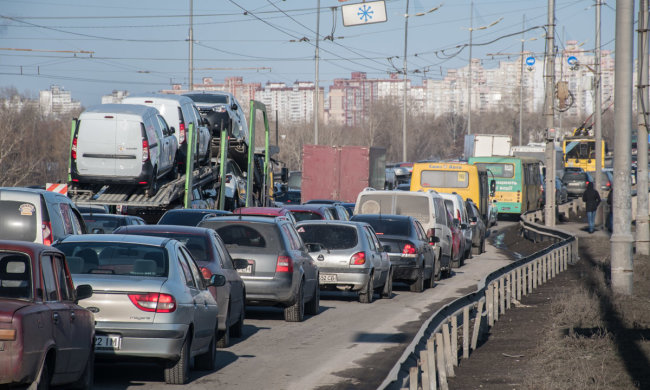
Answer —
(106, 223)
(411, 253)
(189, 217)
(287, 197)
(476, 223)
(280, 270)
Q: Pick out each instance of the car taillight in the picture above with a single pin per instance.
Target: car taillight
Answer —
(358, 258)
(228, 177)
(145, 150)
(207, 274)
(47, 233)
(181, 133)
(73, 152)
(284, 264)
(154, 302)
(609, 184)
(408, 249)
(587, 182)
(458, 214)
(7, 334)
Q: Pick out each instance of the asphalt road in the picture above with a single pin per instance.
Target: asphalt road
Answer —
(348, 344)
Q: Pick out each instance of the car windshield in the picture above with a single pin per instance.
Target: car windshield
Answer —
(18, 221)
(96, 223)
(329, 236)
(115, 258)
(15, 276)
(390, 227)
(208, 98)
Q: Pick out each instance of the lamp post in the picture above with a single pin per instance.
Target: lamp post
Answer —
(469, 77)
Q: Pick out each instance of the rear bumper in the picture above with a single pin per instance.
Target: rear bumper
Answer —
(162, 341)
(357, 278)
(404, 268)
(270, 291)
(146, 174)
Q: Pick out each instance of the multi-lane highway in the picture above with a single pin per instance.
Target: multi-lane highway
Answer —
(347, 344)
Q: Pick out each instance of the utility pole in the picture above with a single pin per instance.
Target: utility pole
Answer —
(406, 29)
(642, 232)
(622, 270)
(521, 80)
(191, 82)
(316, 82)
(469, 71)
(549, 76)
(598, 113)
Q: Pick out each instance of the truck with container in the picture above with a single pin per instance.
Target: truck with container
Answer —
(341, 172)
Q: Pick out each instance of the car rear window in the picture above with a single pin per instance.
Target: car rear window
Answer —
(196, 244)
(18, 221)
(390, 227)
(574, 176)
(15, 276)
(103, 223)
(113, 258)
(329, 236)
(254, 237)
(444, 179)
(301, 215)
(205, 98)
(180, 218)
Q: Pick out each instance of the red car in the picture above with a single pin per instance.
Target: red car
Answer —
(266, 212)
(456, 237)
(45, 337)
(307, 212)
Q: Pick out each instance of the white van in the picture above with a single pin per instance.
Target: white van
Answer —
(122, 144)
(179, 112)
(425, 206)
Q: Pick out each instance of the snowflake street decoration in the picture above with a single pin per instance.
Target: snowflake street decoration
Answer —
(365, 13)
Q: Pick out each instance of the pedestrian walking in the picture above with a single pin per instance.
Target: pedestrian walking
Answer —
(610, 214)
(591, 197)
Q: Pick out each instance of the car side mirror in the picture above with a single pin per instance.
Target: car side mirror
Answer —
(233, 106)
(493, 187)
(284, 175)
(83, 291)
(463, 226)
(313, 247)
(473, 219)
(217, 280)
(240, 263)
(172, 130)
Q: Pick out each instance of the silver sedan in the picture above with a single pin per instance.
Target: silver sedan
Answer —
(349, 257)
(150, 300)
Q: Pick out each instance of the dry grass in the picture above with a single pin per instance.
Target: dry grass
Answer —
(596, 340)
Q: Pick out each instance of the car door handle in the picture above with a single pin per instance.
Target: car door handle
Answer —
(55, 317)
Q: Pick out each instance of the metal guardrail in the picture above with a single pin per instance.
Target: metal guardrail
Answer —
(434, 352)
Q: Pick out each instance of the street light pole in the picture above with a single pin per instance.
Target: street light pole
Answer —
(469, 71)
(316, 82)
(549, 207)
(598, 107)
(642, 228)
(521, 81)
(191, 39)
(406, 28)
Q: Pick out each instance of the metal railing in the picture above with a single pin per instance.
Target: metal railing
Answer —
(434, 352)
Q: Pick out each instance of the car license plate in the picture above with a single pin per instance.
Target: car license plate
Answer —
(248, 270)
(327, 278)
(108, 342)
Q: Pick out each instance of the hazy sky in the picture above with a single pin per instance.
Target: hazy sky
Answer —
(141, 46)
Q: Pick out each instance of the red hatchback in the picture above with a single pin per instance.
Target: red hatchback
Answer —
(266, 212)
(308, 212)
(45, 337)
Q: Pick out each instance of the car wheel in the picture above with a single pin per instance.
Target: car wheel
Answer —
(418, 284)
(153, 186)
(388, 286)
(447, 272)
(223, 336)
(438, 275)
(366, 295)
(455, 263)
(296, 312)
(86, 379)
(237, 330)
(43, 381)
(178, 373)
(482, 246)
(432, 279)
(207, 360)
(313, 306)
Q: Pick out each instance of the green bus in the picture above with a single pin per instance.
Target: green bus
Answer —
(518, 182)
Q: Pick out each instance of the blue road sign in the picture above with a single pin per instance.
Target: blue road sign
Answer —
(530, 61)
(572, 60)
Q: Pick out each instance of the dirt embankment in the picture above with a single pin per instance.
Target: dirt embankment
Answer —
(570, 333)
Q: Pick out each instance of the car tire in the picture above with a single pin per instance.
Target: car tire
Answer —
(418, 284)
(431, 280)
(43, 381)
(437, 276)
(178, 372)
(296, 312)
(313, 306)
(366, 294)
(85, 381)
(447, 272)
(482, 246)
(153, 186)
(237, 330)
(387, 291)
(207, 360)
(223, 336)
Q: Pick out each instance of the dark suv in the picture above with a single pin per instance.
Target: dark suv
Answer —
(280, 270)
(576, 182)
